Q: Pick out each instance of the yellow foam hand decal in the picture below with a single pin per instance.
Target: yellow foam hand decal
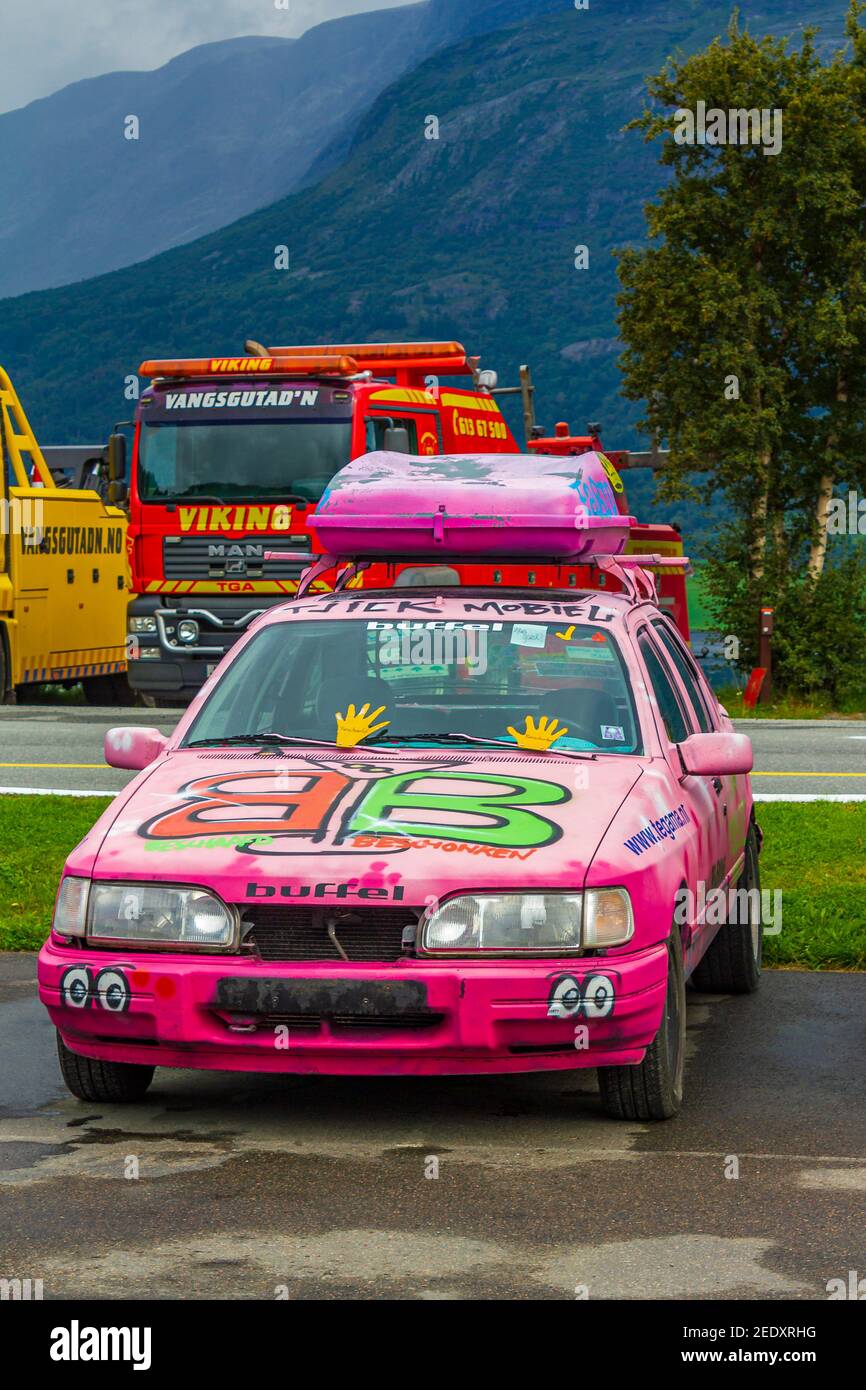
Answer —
(353, 727)
(540, 736)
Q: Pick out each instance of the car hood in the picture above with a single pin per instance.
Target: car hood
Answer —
(399, 826)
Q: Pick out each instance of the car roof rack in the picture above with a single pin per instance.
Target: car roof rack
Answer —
(631, 571)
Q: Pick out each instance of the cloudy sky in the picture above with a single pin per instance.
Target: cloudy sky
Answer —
(45, 44)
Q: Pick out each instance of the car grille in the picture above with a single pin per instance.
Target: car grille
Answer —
(301, 933)
(215, 557)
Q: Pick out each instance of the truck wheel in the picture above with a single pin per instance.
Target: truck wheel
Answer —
(102, 1081)
(653, 1090)
(732, 963)
(107, 690)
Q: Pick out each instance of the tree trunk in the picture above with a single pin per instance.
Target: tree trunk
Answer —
(759, 542)
(818, 549)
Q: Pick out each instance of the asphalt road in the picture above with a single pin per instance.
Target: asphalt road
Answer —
(52, 747)
(249, 1184)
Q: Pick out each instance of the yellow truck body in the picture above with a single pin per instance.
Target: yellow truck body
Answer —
(63, 568)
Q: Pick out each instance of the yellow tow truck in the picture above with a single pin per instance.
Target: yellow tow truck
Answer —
(63, 573)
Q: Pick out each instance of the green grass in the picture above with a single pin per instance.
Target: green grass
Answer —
(36, 835)
(700, 618)
(814, 852)
(790, 707)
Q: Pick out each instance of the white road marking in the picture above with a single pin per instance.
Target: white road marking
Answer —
(52, 791)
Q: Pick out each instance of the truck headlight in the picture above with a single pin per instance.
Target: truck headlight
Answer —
(539, 923)
(187, 630)
(530, 922)
(145, 912)
(142, 624)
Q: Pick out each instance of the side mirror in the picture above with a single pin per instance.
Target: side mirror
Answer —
(396, 440)
(117, 457)
(118, 493)
(716, 755)
(133, 747)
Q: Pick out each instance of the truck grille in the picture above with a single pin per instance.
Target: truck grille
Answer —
(215, 557)
(301, 933)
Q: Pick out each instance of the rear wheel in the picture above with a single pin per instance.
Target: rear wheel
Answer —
(653, 1090)
(102, 1081)
(732, 963)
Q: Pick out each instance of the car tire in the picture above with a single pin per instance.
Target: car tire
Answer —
(732, 962)
(653, 1090)
(87, 1079)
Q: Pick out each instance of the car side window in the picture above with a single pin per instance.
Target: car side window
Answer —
(666, 696)
(687, 675)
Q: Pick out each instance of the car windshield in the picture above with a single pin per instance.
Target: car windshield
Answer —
(423, 682)
(234, 460)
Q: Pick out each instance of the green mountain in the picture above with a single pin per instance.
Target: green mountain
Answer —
(223, 129)
(471, 236)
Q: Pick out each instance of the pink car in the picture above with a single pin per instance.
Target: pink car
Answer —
(416, 831)
(427, 829)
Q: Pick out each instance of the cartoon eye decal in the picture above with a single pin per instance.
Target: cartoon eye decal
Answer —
(564, 999)
(76, 987)
(598, 996)
(112, 990)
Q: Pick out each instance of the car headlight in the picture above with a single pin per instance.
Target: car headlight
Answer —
(142, 624)
(70, 908)
(187, 630)
(540, 923)
(607, 917)
(530, 922)
(145, 912)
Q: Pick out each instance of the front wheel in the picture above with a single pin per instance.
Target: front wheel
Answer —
(653, 1090)
(102, 1081)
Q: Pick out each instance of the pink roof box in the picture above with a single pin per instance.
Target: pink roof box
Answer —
(481, 506)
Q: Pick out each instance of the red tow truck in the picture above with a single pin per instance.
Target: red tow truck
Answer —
(231, 455)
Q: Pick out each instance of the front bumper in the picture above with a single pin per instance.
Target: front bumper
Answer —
(417, 1016)
(173, 667)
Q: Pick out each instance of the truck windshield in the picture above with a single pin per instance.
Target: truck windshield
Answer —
(496, 681)
(240, 460)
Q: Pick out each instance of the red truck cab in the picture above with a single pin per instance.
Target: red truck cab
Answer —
(232, 454)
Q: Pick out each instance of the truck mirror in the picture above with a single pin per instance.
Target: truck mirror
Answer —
(396, 440)
(118, 493)
(117, 458)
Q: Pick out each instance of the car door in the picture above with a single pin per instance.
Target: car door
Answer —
(702, 796)
(733, 791)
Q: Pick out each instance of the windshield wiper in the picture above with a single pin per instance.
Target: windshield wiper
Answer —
(452, 737)
(257, 738)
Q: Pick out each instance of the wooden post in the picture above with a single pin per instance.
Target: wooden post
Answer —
(527, 391)
(765, 653)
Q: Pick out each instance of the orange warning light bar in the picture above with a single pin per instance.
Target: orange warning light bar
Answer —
(380, 352)
(279, 364)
